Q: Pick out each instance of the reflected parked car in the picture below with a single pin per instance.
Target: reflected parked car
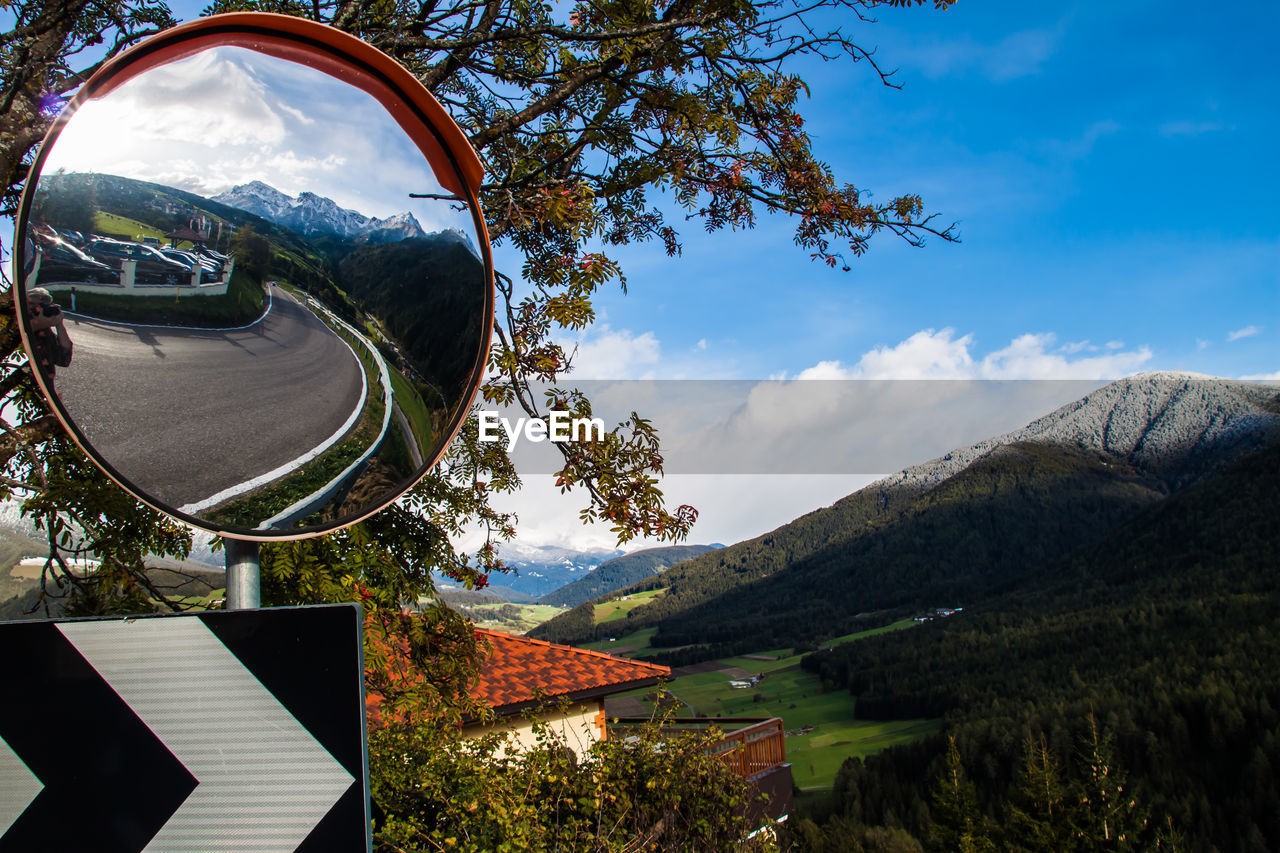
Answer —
(152, 267)
(209, 256)
(212, 253)
(190, 259)
(60, 262)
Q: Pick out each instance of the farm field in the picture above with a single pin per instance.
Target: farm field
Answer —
(822, 729)
(511, 618)
(633, 645)
(617, 609)
(129, 229)
(636, 644)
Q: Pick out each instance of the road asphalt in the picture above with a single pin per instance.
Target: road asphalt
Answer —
(184, 413)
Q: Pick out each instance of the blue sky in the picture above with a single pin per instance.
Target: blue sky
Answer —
(1111, 169)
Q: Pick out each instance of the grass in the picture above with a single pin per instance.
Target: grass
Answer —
(512, 618)
(871, 632)
(815, 759)
(288, 263)
(635, 644)
(114, 225)
(202, 602)
(256, 507)
(414, 408)
(823, 727)
(617, 610)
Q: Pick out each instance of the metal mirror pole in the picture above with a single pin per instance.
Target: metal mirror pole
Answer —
(244, 586)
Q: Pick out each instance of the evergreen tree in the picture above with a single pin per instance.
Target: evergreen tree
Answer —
(252, 251)
(73, 207)
(1107, 816)
(958, 823)
(1038, 817)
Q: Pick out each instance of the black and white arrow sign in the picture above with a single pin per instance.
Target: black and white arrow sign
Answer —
(218, 732)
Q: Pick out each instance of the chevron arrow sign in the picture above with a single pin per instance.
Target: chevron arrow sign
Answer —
(221, 731)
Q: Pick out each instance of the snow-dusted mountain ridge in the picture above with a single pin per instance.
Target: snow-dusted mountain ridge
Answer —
(1175, 422)
(540, 569)
(314, 215)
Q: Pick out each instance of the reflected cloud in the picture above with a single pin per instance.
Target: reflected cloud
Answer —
(228, 116)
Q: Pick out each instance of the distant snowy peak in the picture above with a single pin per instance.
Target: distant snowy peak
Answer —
(1176, 422)
(540, 569)
(518, 553)
(393, 229)
(257, 198)
(314, 215)
(457, 235)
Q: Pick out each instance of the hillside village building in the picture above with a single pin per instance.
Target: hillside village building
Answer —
(528, 681)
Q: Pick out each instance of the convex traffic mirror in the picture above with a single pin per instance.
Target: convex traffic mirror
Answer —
(261, 237)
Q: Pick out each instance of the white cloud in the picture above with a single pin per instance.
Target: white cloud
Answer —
(925, 355)
(821, 370)
(201, 103)
(1083, 145)
(731, 507)
(1016, 55)
(1263, 377)
(1027, 357)
(602, 353)
(723, 439)
(1246, 332)
(701, 345)
(230, 115)
(930, 354)
(1186, 127)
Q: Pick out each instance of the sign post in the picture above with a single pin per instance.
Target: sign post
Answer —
(244, 575)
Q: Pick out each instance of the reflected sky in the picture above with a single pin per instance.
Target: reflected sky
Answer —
(228, 116)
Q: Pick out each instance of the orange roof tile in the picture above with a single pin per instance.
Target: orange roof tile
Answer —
(522, 670)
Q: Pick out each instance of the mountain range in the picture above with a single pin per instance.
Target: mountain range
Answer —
(621, 572)
(972, 524)
(540, 569)
(312, 215)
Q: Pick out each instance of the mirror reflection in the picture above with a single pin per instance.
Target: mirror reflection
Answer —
(269, 332)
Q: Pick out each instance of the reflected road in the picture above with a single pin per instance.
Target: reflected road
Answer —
(185, 413)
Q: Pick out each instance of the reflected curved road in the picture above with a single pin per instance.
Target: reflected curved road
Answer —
(186, 413)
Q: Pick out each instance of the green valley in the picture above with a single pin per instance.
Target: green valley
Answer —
(822, 728)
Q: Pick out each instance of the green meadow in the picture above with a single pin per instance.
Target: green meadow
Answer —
(617, 609)
(511, 618)
(822, 727)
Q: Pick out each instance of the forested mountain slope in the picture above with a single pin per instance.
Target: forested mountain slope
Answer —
(1166, 631)
(960, 528)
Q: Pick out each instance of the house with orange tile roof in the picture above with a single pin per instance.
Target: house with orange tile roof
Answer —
(527, 681)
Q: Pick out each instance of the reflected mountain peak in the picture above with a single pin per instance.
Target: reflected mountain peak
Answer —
(310, 214)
